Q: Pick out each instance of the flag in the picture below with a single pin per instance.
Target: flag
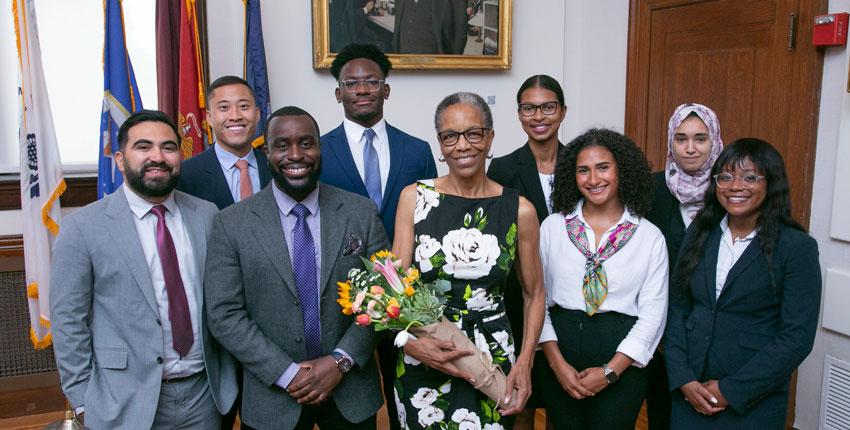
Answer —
(120, 96)
(255, 64)
(191, 106)
(41, 172)
(167, 55)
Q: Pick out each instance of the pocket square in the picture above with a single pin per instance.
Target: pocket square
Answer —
(354, 247)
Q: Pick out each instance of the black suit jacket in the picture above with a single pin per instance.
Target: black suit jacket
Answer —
(201, 176)
(753, 336)
(665, 215)
(518, 170)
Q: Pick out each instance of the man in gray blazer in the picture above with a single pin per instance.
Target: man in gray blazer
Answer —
(126, 303)
(270, 286)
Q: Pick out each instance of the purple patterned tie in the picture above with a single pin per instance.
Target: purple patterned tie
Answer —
(304, 270)
(178, 307)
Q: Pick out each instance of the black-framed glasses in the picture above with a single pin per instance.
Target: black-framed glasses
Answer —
(472, 135)
(724, 180)
(371, 85)
(529, 109)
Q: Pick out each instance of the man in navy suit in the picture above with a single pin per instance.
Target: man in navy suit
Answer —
(218, 174)
(367, 156)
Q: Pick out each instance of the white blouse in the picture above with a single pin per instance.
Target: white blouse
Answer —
(729, 253)
(637, 280)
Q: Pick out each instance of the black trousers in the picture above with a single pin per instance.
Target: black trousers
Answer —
(328, 417)
(387, 358)
(658, 393)
(590, 341)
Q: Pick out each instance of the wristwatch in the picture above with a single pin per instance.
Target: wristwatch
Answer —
(342, 364)
(610, 375)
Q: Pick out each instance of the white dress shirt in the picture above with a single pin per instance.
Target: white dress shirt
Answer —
(355, 134)
(231, 173)
(729, 253)
(637, 280)
(173, 366)
(546, 183)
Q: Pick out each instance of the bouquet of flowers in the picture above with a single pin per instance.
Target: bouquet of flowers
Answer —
(387, 297)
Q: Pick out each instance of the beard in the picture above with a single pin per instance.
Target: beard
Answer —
(154, 187)
(297, 189)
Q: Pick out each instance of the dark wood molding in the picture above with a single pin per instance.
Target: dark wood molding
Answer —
(79, 191)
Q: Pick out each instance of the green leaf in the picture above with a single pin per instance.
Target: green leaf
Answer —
(443, 286)
(486, 410)
(399, 369)
(467, 219)
(482, 223)
(441, 403)
(467, 293)
(510, 238)
(367, 263)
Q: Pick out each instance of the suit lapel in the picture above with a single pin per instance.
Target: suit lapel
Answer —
(334, 222)
(263, 168)
(710, 270)
(527, 168)
(396, 160)
(268, 233)
(336, 147)
(216, 181)
(196, 226)
(122, 230)
(753, 250)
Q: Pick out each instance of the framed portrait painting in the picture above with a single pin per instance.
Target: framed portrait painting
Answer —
(417, 34)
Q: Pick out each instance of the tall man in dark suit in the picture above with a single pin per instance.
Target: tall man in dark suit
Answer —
(131, 341)
(367, 156)
(231, 169)
(272, 268)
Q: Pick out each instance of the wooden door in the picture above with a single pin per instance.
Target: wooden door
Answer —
(751, 61)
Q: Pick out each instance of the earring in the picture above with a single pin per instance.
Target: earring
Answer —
(490, 155)
(441, 158)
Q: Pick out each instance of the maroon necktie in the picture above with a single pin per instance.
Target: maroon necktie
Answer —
(178, 307)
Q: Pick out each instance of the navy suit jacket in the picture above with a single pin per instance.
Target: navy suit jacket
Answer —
(752, 337)
(410, 160)
(202, 177)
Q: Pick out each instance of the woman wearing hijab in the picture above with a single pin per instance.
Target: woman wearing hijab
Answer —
(693, 144)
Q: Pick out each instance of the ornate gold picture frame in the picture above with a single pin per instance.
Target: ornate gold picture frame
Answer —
(433, 34)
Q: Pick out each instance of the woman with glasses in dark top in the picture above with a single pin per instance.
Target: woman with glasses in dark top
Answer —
(744, 300)
(529, 169)
(470, 231)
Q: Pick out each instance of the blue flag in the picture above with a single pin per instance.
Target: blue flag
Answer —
(120, 96)
(255, 63)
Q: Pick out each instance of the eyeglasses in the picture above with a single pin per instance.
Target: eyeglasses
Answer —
(724, 180)
(548, 108)
(472, 135)
(352, 85)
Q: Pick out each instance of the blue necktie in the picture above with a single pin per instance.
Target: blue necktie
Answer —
(372, 168)
(304, 269)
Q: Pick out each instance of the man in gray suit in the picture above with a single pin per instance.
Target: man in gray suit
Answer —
(126, 303)
(273, 263)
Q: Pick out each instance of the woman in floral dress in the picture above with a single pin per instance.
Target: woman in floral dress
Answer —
(466, 228)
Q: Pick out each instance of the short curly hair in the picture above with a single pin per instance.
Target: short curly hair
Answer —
(360, 50)
(634, 175)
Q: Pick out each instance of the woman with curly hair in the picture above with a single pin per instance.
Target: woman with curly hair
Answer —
(605, 272)
(745, 298)
(693, 144)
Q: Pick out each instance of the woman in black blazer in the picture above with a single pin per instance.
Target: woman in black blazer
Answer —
(693, 144)
(744, 305)
(529, 169)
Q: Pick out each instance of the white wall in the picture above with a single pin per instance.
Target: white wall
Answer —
(834, 254)
(546, 40)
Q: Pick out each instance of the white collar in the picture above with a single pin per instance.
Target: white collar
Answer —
(140, 207)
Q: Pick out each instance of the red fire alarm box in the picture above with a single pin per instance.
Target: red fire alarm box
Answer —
(830, 30)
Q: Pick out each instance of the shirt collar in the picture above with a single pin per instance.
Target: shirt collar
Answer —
(140, 207)
(724, 229)
(228, 160)
(354, 131)
(626, 216)
(285, 203)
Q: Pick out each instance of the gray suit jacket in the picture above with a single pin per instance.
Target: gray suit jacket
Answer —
(107, 333)
(253, 306)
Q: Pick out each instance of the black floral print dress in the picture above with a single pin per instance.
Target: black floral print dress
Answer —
(472, 244)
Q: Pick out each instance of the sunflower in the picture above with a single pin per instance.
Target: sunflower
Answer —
(344, 299)
(382, 254)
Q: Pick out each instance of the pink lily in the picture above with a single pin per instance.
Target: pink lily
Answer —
(388, 269)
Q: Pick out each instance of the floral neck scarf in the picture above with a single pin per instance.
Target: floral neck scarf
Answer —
(595, 284)
(689, 188)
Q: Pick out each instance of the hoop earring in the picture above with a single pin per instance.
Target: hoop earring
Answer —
(441, 158)
(490, 155)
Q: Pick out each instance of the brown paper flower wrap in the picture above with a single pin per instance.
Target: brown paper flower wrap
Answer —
(489, 377)
(388, 297)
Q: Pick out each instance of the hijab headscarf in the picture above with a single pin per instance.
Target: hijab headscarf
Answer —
(689, 187)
